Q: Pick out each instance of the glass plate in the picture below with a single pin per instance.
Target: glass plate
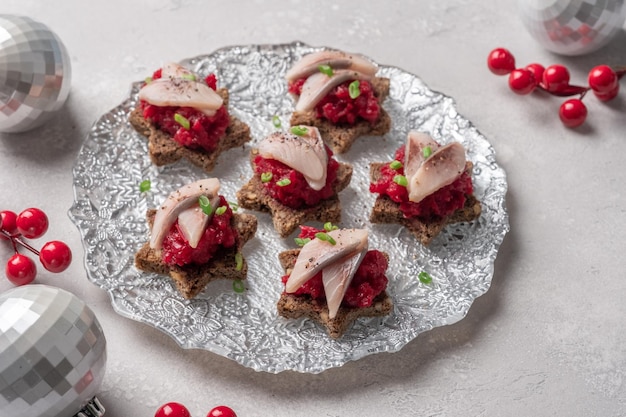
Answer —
(109, 211)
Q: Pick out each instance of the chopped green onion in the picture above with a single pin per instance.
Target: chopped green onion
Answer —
(205, 205)
(328, 226)
(326, 69)
(238, 286)
(148, 80)
(233, 206)
(354, 89)
(145, 186)
(326, 238)
(401, 180)
(396, 165)
(182, 120)
(427, 151)
(220, 210)
(301, 242)
(190, 77)
(276, 122)
(425, 277)
(283, 182)
(266, 177)
(299, 130)
(238, 261)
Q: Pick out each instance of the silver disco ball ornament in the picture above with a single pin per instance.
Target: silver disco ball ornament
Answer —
(573, 27)
(52, 354)
(35, 73)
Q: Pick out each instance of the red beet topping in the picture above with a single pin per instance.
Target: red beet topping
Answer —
(297, 193)
(339, 108)
(368, 282)
(218, 234)
(204, 131)
(441, 203)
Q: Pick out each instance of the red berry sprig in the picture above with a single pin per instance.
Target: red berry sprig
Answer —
(555, 80)
(175, 409)
(31, 223)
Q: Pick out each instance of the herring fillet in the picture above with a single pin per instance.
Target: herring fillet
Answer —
(318, 85)
(337, 278)
(181, 92)
(310, 63)
(440, 169)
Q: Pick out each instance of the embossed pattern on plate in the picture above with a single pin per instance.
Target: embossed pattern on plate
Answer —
(109, 211)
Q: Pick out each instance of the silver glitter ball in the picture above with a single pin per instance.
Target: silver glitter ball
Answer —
(573, 27)
(35, 73)
(52, 354)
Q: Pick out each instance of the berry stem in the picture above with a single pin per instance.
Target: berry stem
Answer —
(15, 240)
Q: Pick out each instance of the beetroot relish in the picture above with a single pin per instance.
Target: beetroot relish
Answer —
(218, 234)
(204, 131)
(369, 280)
(441, 203)
(297, 193)
(339, 108)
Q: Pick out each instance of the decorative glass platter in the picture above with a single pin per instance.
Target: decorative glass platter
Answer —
(109, 211)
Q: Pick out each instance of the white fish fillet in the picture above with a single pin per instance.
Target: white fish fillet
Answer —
(181, 92)
(414, 151)
(318, 254)
(337, 278)
(178, 201)
(443, 167)
(309, 64)
(318, 85)
(192, 222)
(305, 154)
(174, 70)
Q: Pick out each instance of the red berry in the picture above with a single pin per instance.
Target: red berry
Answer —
(172, 409)
(522, 81)
(500, 61)
(573, 112)
(221, 411)
(55, 256)
(7, 222)
(32, 223)
(537, 70)
(20, 269)
(607, 96)
(555, 78)
(602, 79)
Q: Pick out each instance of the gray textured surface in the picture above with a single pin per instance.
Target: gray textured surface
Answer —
(546, 339)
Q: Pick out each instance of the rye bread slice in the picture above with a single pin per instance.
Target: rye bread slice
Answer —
(192, 279)
(386, 210)
(253, 196)
(293, 306)
(341, 137)
(164, 150)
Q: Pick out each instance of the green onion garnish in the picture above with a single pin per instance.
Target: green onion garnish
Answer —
(299, 130)
(301, 242)
(148, 80)
(425, 277)
(328, 226)
(276, 122)
(238, 286)
(427, 151)
(326, 69)
(220, 210)
(266, 177)
(145, 186)
(233, 206)
(283, 182)
(396, 165)
(182, 120)
(401, 180)
(190, 77)
(205, 205)
(326, 238)
(354, 89)
(238, 261)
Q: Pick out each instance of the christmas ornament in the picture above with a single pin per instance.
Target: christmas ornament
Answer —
(52, 354)
(573, 27)
(35, 73)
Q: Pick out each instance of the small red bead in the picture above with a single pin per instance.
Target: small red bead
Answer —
(522, 81)
(607, 96)
(573, 112)
(55, 256)
(20, 269)
(32, 223)
(500, 61)
(172, 409)
(555, 78)
(537, 70)
(221, 411)
(8, 222)
(602, 79)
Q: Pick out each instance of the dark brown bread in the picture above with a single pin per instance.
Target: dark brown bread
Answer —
(252, 196)
(190, 280)
(295, 306)
(386, 210)
(341, 137)
(163, 150)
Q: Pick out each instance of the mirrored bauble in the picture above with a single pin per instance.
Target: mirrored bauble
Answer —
(35, 73)
(52, 354)
(573, 27)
